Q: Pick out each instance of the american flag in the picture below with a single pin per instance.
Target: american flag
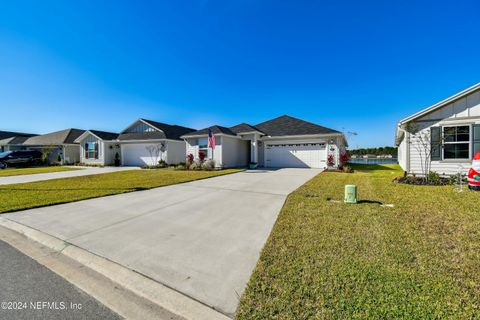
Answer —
(211, 139)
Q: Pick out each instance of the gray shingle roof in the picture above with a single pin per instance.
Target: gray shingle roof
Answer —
(104, 135)
(13, 140)
(66, 136)
(243, 127)
(9, 134)
(173, 132)
(290, 126)
(215, 130)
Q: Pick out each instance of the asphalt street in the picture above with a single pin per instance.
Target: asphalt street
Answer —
(28, 290)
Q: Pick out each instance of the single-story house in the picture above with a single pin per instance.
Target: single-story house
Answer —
(98, 147)
(443, 137)
(146, 142)
(11, 141)
(281, 142)
(60, 143)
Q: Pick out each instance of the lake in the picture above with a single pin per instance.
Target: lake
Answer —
(373, 161)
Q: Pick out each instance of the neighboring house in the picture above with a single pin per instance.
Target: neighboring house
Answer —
(146, 142)
(98, 147)
(60, 143)
(281, 142)
(452, 130)
(11, 141)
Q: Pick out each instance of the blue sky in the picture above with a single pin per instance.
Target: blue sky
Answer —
(349, 65)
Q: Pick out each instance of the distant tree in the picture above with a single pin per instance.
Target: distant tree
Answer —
(376, 151)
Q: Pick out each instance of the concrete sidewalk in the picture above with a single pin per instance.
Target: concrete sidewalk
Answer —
(201, 238)
(85, 171)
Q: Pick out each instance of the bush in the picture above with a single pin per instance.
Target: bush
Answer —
(330, 160)
(347, 169)
(433, 178)
(208, 165)
(162, 164)
(190, 159)
(116, 160)
(181, 167)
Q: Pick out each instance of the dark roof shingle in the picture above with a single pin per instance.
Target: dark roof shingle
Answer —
(290, 126)
(215, 130)
(243, 127)
(104, 135)
(169, 131)
(10, 134)
(67, 136)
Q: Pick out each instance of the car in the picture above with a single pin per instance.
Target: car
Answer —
(20, 158)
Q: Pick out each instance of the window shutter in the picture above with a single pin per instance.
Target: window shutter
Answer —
(476, 139)
(436, 143)
(86, 150)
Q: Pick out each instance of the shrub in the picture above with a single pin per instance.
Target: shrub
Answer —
(162, 164)
(116, 159)
(344, 158)
(208, 165)
(330, 160)
(189, 160)
(347, 169)
(202, 156)
(433, 178)
(194, 166)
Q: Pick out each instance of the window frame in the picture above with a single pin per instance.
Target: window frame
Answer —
(469, 141)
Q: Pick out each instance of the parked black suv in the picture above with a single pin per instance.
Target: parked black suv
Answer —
(20, 158)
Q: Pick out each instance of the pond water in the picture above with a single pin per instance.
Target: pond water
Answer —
(373, 161)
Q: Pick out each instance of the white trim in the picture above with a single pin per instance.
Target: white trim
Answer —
(206, 135)
(470, 142)
(305, 136)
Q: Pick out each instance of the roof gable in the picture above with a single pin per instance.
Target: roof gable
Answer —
(289, 126)
(159, 131)
(216, 129)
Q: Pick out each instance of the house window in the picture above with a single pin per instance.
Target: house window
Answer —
(91, 150)
(203, 147)
(456, 142)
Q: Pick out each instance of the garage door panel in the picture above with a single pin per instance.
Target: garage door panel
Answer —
(296, 155)
(137, 155)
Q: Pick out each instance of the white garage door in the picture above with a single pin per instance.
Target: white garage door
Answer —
(137, 155)
(295, 155)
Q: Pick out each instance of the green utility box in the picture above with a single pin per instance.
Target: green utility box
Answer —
(350, 193)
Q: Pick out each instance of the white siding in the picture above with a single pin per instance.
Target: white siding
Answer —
(234, 152)
(192, 148)
(81, 150)
(176, 152)
(464, 111)
(72, 154)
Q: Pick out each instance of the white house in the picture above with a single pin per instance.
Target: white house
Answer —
(57, 144)
(98, 147)
(445, 136)
(145, 142)
(281, 142)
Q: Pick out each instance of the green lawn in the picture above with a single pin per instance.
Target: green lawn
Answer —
(42, 193)
(21, 171)
(328, 260)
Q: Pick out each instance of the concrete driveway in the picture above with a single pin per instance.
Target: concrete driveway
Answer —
(85, 171)
(201, 238)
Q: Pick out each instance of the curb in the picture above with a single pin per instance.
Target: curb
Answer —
(160, 295)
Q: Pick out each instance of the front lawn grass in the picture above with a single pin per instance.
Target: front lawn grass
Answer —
(327, 260)
(21, 171)
(43, 193)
